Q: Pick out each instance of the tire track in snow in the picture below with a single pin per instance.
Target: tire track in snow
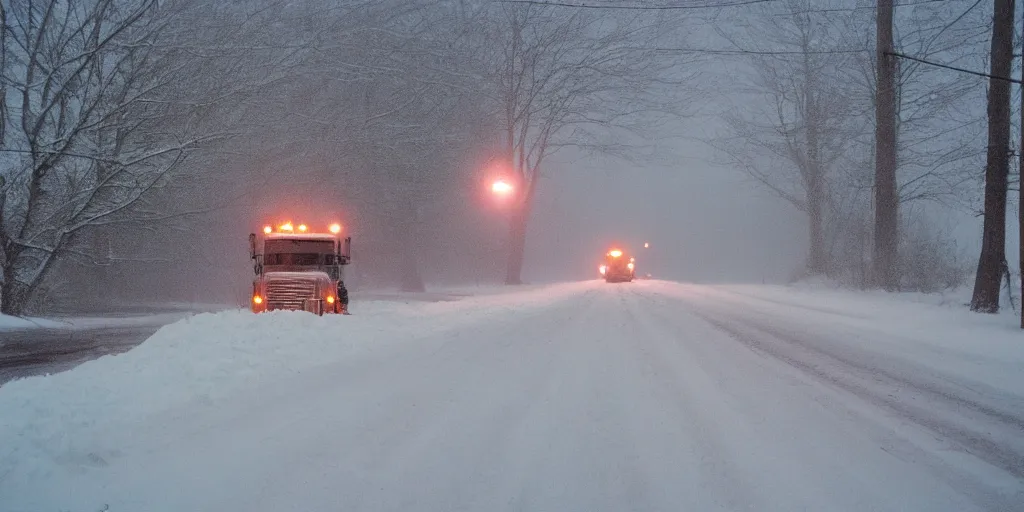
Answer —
(623, 437)
(987, 494)
(660, 359)
(569, 448)
(490, 397)
(988, 433)
(852, 375)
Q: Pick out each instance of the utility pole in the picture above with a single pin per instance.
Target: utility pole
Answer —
(1020, 200)
(886, 256)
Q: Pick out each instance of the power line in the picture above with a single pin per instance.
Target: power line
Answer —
(735, 3)
(954, 68)
(860, 8)
(740, 51)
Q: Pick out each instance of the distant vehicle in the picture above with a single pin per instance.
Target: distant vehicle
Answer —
(300, 270)
(617, 267)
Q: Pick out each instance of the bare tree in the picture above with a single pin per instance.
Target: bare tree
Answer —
(931, 134)
(802, 138)
(570, 78)
(917, 151)
(82, 147)
(380, 115)
(938, 124)
(125, 100)
(992, 263)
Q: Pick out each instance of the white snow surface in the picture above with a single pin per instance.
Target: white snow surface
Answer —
(573, 397)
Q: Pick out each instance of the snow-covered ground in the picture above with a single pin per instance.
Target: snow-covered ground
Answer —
(583, 396)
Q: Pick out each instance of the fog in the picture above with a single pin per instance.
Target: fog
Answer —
(703, 223)
(620, 127)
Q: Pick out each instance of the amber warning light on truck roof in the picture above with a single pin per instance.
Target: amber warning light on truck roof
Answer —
(288, 227)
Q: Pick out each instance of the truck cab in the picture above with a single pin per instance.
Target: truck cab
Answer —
(299, 270)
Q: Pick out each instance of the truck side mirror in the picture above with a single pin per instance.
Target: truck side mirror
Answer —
(252, 246)
(346, 249)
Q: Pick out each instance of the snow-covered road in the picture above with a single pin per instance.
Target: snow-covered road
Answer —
(578, 397)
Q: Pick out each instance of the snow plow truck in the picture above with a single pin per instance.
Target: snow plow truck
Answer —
(618, 267)
(300, 270)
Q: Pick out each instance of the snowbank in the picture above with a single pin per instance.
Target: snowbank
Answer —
(81, 416)
(201, 359)
(958, 298)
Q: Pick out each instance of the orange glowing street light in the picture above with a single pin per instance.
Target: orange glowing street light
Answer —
(502, 188)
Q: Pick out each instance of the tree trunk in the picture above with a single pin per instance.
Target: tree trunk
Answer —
(13, 294)
(997, 166)
(518, 223)
(517, 246)
(886, 252)
(816, 260)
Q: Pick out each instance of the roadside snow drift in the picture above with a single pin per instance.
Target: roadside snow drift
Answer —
(80, 416)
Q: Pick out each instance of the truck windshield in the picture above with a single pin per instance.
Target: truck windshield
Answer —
(298, 252)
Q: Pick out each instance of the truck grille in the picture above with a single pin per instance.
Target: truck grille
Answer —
(289, 293)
